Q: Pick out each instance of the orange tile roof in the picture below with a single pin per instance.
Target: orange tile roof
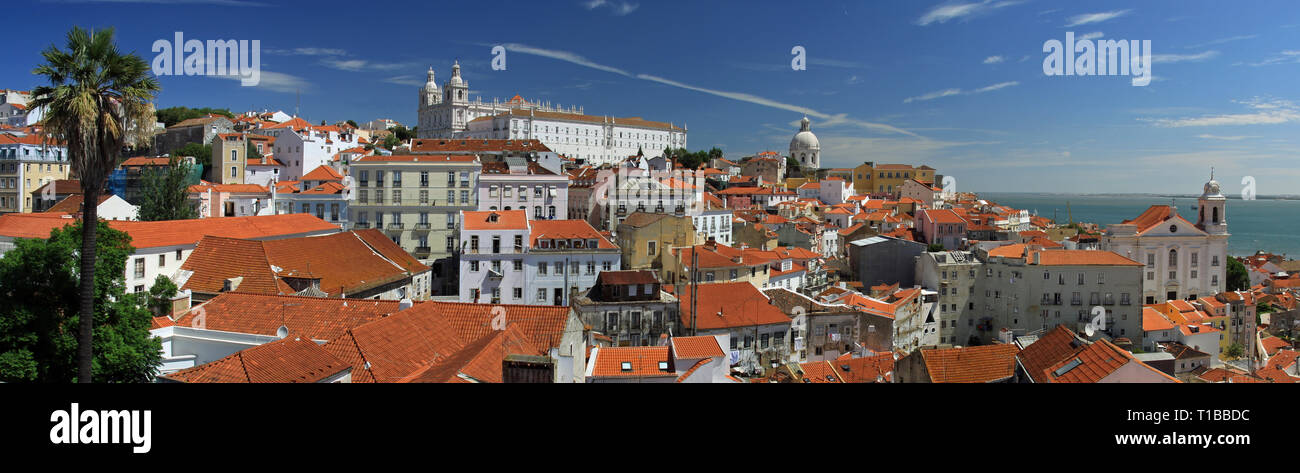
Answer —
(323, 173)
(504, 220)
(942, 216)
(72, 204)
(343, 262)
(290, 360)
(1152, 216)
(979, 364)
(174, 232)
(317, 318)
(230, 188)
(642, 362)
(1154, 321)
(468, 145)
(1093, 363)
(1083, 258)
(146, 161)
(567, 229)
(728, 305)
(1273, 344)
(418, 158)
(705, 346)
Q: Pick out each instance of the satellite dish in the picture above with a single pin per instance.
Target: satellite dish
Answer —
(1088, 330)
(282, 331)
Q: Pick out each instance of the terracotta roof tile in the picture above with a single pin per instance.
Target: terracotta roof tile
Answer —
(739, 303)
(317, 318)
(705, 346)
(640, 362)
(290, 360)
(979, 364)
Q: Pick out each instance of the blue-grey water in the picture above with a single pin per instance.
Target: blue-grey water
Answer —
(1263, 224)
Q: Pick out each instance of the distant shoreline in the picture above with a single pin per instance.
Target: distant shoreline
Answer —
(1164, 196)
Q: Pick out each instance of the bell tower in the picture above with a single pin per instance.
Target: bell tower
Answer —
(1212, 210)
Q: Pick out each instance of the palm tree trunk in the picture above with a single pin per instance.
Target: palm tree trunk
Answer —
(89, 227)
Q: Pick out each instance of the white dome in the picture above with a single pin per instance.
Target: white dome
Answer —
(431, 85)
(455, 75)
(805, 139)
(1212, 188)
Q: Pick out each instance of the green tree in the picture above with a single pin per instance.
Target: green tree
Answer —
(934, 247)
(1238, 279)
(201, 153)
(98, 102)
(160, 296)
(173, 115)
(165, 193)
(792, 167)
(251, 151)
(402, 133)
(353, 124)
(1234, 351)
(39, 311)
(391, 141)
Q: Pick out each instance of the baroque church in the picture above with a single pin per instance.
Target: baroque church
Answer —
(446, 112)
(1183, 261)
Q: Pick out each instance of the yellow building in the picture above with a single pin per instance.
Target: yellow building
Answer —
(646, 239)
(872, 178)
(26, 164)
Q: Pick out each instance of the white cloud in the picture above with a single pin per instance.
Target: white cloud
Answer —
(994, 60)
(1284, 57)
(1207, 136)
(405, 80)
(1092, 35)
(1266, 112)
(952, 92)
(308, 52)
(1223, 40)
(1090, 18)
(830, 120)
(617, 8)
(1172, 58)
(355, 65)
(955, 10)
(276, 82)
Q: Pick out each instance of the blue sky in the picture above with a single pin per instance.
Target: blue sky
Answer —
(957, 85)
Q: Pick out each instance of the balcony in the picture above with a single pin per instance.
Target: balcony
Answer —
(495, 275)
(395, 226)
(423, 226)
(361, 225)
(422, 251)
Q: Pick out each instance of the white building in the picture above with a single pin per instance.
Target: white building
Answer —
(834, 190)
(508, 259)
(1183, 261)
(519, 184)
(624, 191)
(805, 147)
(714, 224)
(302, 147)
(450, 113)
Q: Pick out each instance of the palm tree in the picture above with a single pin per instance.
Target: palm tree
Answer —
(98, 102)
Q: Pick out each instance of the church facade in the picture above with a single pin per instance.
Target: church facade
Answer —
(1183, 261)
(448, 112)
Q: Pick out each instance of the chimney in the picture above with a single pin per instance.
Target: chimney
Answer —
(405, 304)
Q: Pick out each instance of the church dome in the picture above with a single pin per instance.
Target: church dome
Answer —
(430, 85)
(805, 139)
(455, 75)
(1212, 187)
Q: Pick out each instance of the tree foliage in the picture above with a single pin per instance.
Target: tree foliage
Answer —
(934, 247)
(402, 133)
(165, 193)
(1238, 278)
(39, 311)
(98, 102)
(692, 160)
(1234, 351)
(173, 115)
(160, 296)
(201, 153)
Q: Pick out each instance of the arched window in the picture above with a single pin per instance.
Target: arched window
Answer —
(1216, 215)
(1173, 258)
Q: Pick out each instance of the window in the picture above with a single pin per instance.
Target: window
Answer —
(1173, 259)
(591, 268)
(541, 295)
(1214, 261)
(605, 266)
(1080, 279)
(424, 197)
(519, 293)
(541, 268)
(650, 247)
(139, 268)
(178, 256)
(518, 265)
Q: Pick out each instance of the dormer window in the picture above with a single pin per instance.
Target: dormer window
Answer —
(492, 218)
(626, 366)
